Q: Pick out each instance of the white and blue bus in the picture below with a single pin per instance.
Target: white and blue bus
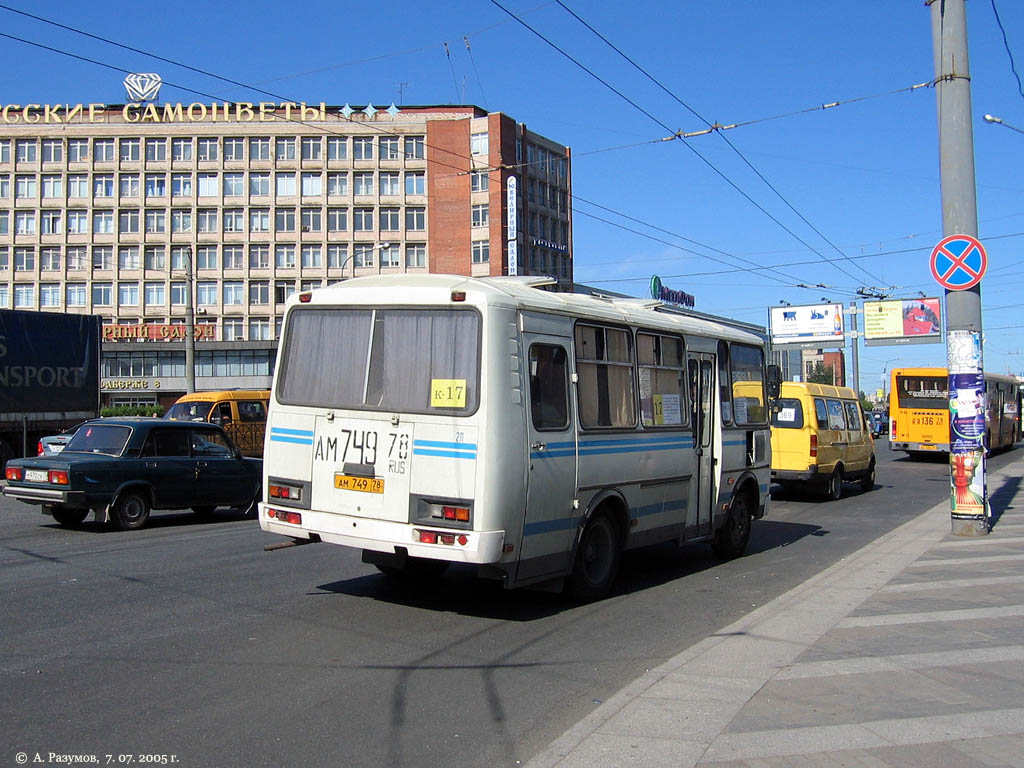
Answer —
(537, 435)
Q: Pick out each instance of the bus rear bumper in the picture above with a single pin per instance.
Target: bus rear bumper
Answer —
(919, 447)
(481, 547)
(792, 475)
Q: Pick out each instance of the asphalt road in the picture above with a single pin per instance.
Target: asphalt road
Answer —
(185, 639)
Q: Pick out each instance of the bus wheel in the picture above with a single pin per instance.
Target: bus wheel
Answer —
(731, 539)
(68, 517)
(867, 483)
(834, 489)
(597, 560)
(131, 511)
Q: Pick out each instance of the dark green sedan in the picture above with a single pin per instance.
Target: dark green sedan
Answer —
(123, 468)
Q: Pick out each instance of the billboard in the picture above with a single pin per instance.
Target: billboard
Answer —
(817, 325)
(902, 321)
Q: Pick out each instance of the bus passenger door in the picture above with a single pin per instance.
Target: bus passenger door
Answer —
(551, 518)
(704, 421)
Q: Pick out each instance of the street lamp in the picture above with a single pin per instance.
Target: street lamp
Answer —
(1000, 121)
(885, 368)
(377, 247)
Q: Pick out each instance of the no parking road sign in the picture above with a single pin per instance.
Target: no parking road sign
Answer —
(959, 262)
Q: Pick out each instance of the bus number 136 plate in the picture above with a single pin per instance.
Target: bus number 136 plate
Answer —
(364, 484)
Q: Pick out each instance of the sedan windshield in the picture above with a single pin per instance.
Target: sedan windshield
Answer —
(99, 438)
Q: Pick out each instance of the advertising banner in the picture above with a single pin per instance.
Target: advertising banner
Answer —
(902, 321)
(967, 407)
(818, 325)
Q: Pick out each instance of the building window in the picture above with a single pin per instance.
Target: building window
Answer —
(415, 183)
(284, 256)
(259, 292)
(259, 219)
(285, 184)
(282, 290)
(207, 149)
(103, 186)
(337, 219)
(25, 187)
(259, 148)
(128, 221)
(337, 148)
(234, 293)
(24, 222)
(480, 215)
(181, 150)
(51, 222)
(128, 184)
(481, 251)
(234, 220)
(154, 294)
(362, 148)
(102, 294)
(285, 148)
(24, 297)
(78, 150)
(416, 255)
(363, 254)
(156, 220)
(53, 152)
(415, 219)
(25, 150)
(234, 257)
(206, 257)
(49, 259)
(24, 259)
(388, 146)
(362, 220)
(233, 328)
(181, 259)
(181, 185)
(337, 183)
(181, 220)
(312, 147)
(156, 150)
(234, 184)
(103, 150)
(130, 150)
(206, 294)
(337, 255)
(103, 222)
(156, 257)
(414, 148)
(311, 256)
(259, 329)
(312, 184)
(284, 219)
(78, 222)
(259, 184)
(363, 184)
(5, 185)
(389, 218)
(49, 295)
(128, 294)
(178, 294)
(390, 255)
(206, 220)
(5, 222)
(479, 181)
(78, 185)
(207, 185)
(259, 256)
(389, 183)
(74, 295)
(478, 144)
(234, 148)
(312, 220)
(128, 258)
(156, 185)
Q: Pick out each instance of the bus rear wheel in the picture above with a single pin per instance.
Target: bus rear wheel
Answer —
(597, 560)
(834, 487)
(731, 539)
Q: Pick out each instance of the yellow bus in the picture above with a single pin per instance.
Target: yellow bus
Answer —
(919, 411)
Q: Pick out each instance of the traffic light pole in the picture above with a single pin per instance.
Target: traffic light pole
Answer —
(964, 358)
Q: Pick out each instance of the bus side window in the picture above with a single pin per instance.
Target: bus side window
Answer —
(549, 391)
(222, 415)
(821, 413)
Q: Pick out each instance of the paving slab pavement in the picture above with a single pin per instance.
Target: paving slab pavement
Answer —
(907, 653)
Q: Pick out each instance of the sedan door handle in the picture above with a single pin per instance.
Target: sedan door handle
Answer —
(201, 464)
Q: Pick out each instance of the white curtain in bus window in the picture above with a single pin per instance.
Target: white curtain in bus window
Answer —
(662, 394)
(747, 367)
(604, 365)
(324, 357)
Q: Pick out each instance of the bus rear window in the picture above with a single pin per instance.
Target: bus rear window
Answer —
(787, 413)
(403, 360)
(922, 392)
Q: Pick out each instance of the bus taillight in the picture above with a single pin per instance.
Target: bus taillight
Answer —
(814, 446)
(892, 429)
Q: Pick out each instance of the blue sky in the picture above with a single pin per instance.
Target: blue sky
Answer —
(845, 197)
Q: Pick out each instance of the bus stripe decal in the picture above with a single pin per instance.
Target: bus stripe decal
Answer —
(547, 526)
(443, 454)
(296, 436)
(438, 444)
(284, 431)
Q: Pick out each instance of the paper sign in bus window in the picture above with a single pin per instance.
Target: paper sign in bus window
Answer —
(447, 393)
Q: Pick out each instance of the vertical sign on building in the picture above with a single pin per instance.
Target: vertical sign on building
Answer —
(513, 226)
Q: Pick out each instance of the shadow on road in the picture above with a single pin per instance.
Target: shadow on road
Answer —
(1000, 498)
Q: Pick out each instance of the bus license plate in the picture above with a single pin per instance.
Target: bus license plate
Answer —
(36, 475)
(928, 447)
(364, 484)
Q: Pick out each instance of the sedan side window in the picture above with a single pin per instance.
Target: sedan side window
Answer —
(209, 443)
(166, 442)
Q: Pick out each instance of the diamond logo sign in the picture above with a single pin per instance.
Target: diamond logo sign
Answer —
(143, 86)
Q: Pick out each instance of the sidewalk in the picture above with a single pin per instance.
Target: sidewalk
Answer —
(910, 652)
